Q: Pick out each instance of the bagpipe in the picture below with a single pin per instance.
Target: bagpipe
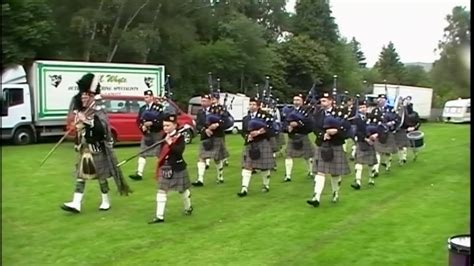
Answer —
(269, 106)
(218, 113)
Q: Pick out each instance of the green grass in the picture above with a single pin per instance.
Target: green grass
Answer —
(405, 220)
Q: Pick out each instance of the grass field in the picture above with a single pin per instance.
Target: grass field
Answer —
(405, 220)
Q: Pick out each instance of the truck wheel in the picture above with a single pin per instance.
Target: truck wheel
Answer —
(235, 130)
(23, 136)
(188, 136)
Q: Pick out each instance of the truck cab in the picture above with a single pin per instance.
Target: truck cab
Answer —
(17, 120)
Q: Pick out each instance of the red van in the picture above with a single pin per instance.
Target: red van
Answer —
(122, 112)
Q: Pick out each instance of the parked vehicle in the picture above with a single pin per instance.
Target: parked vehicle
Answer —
(457, 111)
(36, 105)
(122, 112)
(238, 105)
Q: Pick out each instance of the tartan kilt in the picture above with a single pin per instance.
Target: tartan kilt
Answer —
(365, 157)
(401, 138)
(266, 160)
(153, 136)
(218, 151)
(273, 144)
(337, 167)
(101, 164)
(389, 147)
(306, 152)
(280, 138)
(226, 152)
(179, 182)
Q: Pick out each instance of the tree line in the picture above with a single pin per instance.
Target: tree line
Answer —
(240, 41)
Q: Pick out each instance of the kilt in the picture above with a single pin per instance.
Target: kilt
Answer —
(102, 167)
(280, 138)
(273, 144)
(337, 167)
(306, 152)
(401, 138)
(365, 157)
(226, 152)
(218, 151)
(179, 182)
(152, 137)
(389, 147)
(266, 160)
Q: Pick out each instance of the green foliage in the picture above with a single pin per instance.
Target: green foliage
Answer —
(359, 55)
(389, 65)
(26, 28)
(416, 76)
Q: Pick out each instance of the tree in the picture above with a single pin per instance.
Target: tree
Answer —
(389, 65)
(449, 73)
(27, 27)
(416, 76)
(359, 55)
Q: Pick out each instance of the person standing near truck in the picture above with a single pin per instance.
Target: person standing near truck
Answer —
(150, 123)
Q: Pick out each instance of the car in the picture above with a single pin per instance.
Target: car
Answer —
(122, 112)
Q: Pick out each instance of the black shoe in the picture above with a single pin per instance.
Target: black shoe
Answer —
(375, 174)
(313, 203)
(188, 211)
(371, 183)
(265, 189)
(355, 186)
(351, 158)
(69, 209)
(242, 194)
(383, 164)
(335, 197)
(197, 183)
(286, 179)
(136, 177)
(220, 181)
(254, 171)
(207, 166)
(156, 221)
(404, 161)
(339, 182)
(274, 169)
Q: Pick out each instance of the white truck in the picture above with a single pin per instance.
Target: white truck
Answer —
(457, 111)
(421, 97)
(36, 105)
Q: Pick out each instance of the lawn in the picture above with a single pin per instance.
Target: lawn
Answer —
(405, 220)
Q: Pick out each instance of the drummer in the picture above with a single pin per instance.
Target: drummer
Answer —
(412, 120)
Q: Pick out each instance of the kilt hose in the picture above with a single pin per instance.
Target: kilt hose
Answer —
(366, 156)
(101, 164)
(150, 138)
(389, 147)
(307, 151)
(337, 167)
(401, 138)
(218, 151)
(178, 182)
(266, 160)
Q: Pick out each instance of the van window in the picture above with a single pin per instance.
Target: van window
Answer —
(116, 106)
(13, 97)
(195, 109)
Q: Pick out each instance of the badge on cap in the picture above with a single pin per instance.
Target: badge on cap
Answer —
(148, 92)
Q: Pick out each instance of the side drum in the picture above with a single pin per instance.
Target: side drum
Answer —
(416, 139)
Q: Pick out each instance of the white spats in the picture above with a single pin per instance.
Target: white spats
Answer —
(335, 183)
(220, 170)
(358, 173)
(318, 186)
(141, 166)
(246, 176)
(186, 199)
(160, 204)
(288, 167)
(76, 202)
(201, 166)
(208, 162)
(105, 204)
(266, 178)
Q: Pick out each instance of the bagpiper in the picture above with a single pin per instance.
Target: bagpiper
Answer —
(150, 123)
(257, 154)
(93, 142)
(329, 157)
(298, 125)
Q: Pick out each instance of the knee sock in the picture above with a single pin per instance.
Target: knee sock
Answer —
(220, 169)
(246, 176)
(309, 162)
(266, 178)
(377, 165)
(186, 199)
(358, 173)
(335, 183)
(80, 185)
(288, 167)
(104, 186)
(141, 166)
(161, 198)
(201, 166)
(318, 186)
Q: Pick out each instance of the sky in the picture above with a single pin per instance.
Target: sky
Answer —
(414, 26)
